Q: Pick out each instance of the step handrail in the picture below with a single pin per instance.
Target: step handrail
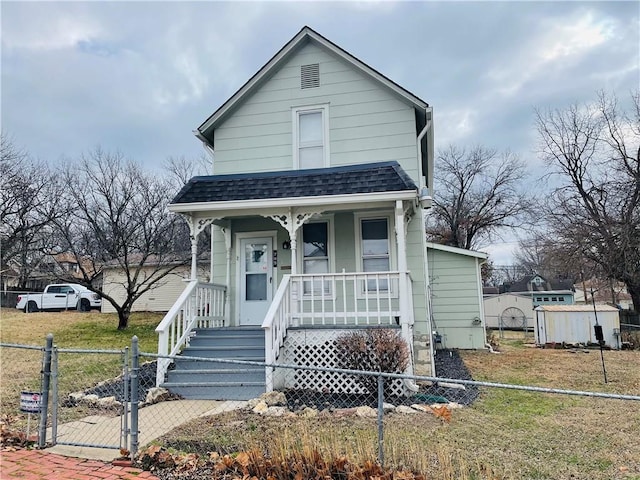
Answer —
(199, 305)
(275, 325)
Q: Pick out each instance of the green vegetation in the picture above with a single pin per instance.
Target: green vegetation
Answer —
(71, 330)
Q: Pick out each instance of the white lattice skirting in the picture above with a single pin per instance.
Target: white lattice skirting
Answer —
(316, 347)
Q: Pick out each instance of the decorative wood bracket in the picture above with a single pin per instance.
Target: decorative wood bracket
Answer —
(291, 222)
(196, 226)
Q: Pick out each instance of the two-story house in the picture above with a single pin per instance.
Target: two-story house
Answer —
(322, 172)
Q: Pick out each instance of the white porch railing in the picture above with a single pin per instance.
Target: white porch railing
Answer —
(201, 305)
(337, 299)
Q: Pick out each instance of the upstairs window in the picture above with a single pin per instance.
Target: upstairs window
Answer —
(310, 137)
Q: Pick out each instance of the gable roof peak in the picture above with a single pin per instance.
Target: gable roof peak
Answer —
(203, 132)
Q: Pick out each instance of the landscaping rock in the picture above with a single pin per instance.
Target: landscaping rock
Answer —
(403, 409)
(366, 412)
(91, 400)
(156, 394)
(388, 407)
(344, 412)
(276, 411)
(252, 403)
(309, 412)
(109, 402)
(274, 399)
(260, 408)
(422, 408)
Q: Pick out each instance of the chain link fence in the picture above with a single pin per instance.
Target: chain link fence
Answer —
(110, 399)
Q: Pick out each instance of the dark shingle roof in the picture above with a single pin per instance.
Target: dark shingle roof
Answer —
(526, 284)
(367, 178)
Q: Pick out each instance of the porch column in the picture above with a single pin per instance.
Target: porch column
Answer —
(401, 237)
(293, 236)
(196, 226)
(403, 287)
(227, 295)
(194, 257)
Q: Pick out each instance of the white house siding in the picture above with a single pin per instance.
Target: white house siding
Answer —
(160, 299)
(495, 305)
(367, 122)
(456, 300)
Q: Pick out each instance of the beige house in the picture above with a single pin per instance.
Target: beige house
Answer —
(509, 311)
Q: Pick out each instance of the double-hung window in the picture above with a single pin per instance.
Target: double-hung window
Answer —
(310, 137)
(375, 250)
(315, 251)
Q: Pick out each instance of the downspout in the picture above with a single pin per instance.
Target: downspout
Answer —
(421, 135)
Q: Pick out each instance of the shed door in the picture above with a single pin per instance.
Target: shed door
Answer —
(256, 279)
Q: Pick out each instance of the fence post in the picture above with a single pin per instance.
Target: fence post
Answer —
(135, 368)
(54, 392)
(124, 439)
(44, 400)
(380, 419)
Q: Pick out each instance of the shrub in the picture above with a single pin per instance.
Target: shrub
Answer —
(373, 350)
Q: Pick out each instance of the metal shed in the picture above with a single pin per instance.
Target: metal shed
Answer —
(574, 324)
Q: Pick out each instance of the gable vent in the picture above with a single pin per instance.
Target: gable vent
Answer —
(310, 76)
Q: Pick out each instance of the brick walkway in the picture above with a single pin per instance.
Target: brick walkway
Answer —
(39, 465)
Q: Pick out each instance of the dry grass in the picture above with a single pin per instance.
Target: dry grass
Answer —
(20, 368)
(506, 434)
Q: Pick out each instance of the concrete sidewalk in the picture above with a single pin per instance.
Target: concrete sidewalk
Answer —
(153, 422)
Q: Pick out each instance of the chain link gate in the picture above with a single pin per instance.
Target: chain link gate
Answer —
(90, 401)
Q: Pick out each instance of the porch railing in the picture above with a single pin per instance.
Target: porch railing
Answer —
(337, 299)
(201, 305)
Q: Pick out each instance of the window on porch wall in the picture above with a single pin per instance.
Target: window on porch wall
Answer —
(315, 251)
(375, 250)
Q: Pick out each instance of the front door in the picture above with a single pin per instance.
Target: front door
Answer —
(256, 279)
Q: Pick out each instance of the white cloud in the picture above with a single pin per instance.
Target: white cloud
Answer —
(560, 43)
(50, 32)
(455, 124)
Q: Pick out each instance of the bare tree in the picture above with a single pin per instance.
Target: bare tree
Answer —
(541, 254)
(479, 192)
(30, 201)
(120, 220)
(180, 170)
(594, 152)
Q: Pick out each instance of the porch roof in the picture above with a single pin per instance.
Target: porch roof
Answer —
(320, 182)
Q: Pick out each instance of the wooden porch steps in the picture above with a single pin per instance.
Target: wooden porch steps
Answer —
(197, 379)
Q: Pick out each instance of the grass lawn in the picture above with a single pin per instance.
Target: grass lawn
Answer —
(506, 434)
(20, 368)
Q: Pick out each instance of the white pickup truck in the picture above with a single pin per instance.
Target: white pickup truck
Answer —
(62, 296)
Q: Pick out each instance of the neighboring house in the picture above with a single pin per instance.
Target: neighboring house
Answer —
(603, 291)
(509, 311)
(322, 172)
(162, 295)
(543, 291)
(456, 296)
(49, 270)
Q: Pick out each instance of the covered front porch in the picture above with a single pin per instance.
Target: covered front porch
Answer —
(319, 262)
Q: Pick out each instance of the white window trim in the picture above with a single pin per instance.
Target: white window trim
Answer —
(295, 113)
(390, 217)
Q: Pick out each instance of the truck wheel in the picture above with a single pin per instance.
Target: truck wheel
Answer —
(85, 306)
(31, 307)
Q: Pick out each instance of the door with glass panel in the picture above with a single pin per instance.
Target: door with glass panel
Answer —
(256, 279)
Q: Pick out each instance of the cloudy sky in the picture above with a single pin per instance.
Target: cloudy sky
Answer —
(140, 76)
